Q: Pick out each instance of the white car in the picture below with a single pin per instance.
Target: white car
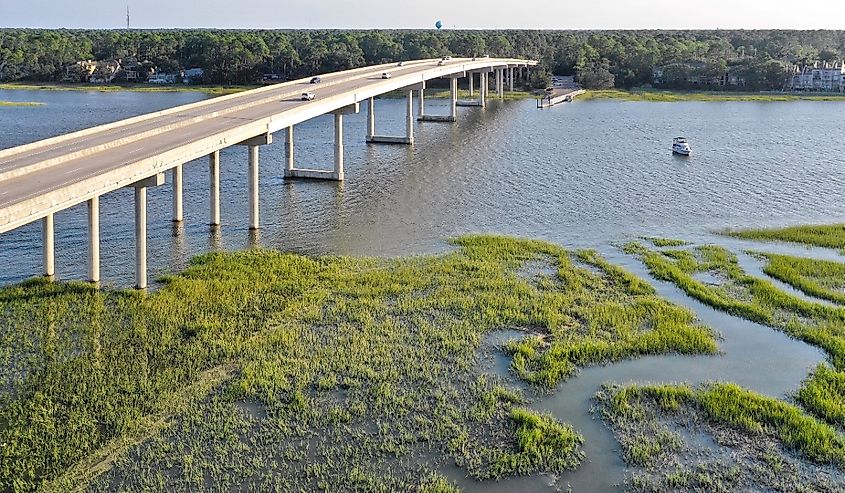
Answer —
(441, 62)
(308, 96)
(385, 75)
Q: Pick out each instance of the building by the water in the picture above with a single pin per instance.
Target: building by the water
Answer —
(820, 76)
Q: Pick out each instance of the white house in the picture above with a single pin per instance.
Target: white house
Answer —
(820, 76)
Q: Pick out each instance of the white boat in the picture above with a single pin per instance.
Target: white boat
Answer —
(680, 145)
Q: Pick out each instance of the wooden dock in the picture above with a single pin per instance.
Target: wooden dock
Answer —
(558, 96)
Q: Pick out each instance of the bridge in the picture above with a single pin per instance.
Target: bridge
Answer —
(42, 178)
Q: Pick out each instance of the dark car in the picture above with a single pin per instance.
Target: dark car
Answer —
(315, 80)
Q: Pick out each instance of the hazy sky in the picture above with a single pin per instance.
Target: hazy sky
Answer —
(457, 14)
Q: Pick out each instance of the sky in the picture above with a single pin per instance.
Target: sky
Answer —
(403, 14)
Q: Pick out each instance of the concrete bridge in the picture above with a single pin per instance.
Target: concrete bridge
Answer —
(42, 178)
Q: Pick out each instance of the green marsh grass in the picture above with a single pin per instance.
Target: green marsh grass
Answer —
(350, 364)
(821, 235)
(760, 301)
(746, 411)
(654, 95)
(820, 278)
(19, 103)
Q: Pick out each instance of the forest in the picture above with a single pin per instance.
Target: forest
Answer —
(756, 60)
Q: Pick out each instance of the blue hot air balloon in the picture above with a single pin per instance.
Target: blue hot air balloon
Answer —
(438, 24)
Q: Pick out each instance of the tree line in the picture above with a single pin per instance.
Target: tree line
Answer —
(598, 59)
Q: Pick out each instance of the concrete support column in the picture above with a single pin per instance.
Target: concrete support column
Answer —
(253, 187)
(422, 102)
(510, 79)
(141, 237)
(500, 83)
(214, 188)
(409, 118)
(289, 148)
(48, 245)
(371, 118)
(453, 111)
(471, 82)
(482, 89)
(177, 194)
(94, 239)
(496, 84)
(338, 146)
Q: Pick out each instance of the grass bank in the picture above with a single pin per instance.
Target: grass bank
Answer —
(210, 90)
(759, 300)
(755, 443)
(19, 103)
(820, 235)
(820, 278)
(675, 96)
(262, 370)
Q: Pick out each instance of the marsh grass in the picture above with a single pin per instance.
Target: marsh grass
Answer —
(211, 90)
(370, 361)
(675, 96)
(664, 242)
(822, 235)
(747, 296)
(820, 278)
(19, 103)
(741, 409)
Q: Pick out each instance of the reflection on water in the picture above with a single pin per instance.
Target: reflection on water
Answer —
(583, 174)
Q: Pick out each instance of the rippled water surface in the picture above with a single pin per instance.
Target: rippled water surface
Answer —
(584, 174)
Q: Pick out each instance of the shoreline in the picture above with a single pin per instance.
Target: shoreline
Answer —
(214, 90)
(655, 95)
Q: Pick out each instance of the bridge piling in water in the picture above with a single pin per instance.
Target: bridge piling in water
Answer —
(253, 187)
(141, 226)
(177, 194)
(289, 156)
(94, 239)
(408, 139)
(336, 173)
(48, 245)
(214, 188)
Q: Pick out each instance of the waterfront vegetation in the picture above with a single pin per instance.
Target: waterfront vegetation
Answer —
(823, 279)
(758, 443)
(825, 236)
(715, 96)
(759, 300)
(207, 89)
(19, 103)
(761, 59)
(261, 369)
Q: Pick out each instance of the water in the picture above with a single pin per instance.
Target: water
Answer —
(588, 174)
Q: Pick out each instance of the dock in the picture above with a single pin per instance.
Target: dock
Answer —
(559, 95)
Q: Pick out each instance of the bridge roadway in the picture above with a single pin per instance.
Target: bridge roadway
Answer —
(44, 177)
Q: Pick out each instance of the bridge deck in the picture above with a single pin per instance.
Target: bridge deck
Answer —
(54, 174)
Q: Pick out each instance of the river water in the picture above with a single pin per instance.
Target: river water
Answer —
(587, 174)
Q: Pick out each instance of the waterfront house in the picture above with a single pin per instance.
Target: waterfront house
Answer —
(820, 76)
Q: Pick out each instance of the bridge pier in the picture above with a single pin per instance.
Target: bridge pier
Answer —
(471, 82)
(253, 187)
(408, 139)
(337, 173)
(500, 83)
(289, 159)
(253, 144)
(483, 90)
(510, 79)
(214, 188)
(94, 239)
(141, 227)
(177, 194)
(48, 245)
(453, 97)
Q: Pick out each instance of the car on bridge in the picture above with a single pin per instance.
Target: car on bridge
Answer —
(308, 96)
(385, 75)
(316, 80)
